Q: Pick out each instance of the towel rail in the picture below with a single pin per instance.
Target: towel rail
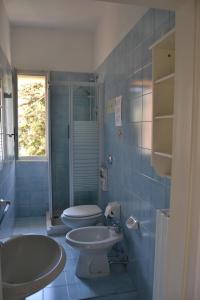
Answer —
(5, 210)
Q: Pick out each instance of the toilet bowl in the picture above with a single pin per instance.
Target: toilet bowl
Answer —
(82, 216)
(93, 244)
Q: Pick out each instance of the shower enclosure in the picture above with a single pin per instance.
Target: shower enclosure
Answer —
(84, 145)
(73, 146)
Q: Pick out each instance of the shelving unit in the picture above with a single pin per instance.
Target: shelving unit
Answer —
(164, 117)
(163, 61)
(164, 78)
(166, 155)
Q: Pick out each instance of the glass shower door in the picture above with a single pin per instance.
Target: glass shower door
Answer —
(84, 146)
(59, 120)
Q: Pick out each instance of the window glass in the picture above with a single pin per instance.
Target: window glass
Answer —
(31, 116)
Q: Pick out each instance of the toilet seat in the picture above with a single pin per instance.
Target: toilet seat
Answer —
(82, 218)
(82, 215)
(82, 211)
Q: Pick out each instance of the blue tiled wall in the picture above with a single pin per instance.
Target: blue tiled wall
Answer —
(31, 188)
(132, 180)
(7, 166)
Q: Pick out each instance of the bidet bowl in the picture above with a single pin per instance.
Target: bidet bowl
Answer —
(93, 244)
(93, 238)
(29, 263)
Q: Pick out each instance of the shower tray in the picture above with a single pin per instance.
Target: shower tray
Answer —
(54, 225)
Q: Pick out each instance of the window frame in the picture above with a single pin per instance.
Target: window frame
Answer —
(37, 157)
(2, 122)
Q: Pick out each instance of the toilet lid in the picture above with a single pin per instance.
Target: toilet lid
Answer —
(82, 211)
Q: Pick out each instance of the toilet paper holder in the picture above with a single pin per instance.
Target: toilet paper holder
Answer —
(132, 223)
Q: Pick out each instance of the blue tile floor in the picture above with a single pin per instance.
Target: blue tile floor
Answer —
(67, 286)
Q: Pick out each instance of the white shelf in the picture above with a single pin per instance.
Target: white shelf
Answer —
(165, 78)
(164, 117)
(163, 62)
(168, 40)
(166, 155)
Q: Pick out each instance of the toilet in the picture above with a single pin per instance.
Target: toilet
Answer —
(93, 244)
(82, 216)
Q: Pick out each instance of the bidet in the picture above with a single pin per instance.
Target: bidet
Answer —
(93, 244)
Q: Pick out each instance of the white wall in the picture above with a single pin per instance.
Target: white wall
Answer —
(36, 48)
(50, 49)
(117, 21)
(178, 234)
(4, 32)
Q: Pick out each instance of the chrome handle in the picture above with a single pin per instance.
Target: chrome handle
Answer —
(7, 204)
(10, 134)
(132, 223)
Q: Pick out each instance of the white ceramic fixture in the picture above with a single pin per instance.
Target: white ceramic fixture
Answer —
(93, 243)
(29, 263)
(82, 216)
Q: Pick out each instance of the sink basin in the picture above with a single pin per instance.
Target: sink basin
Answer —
(29, 263)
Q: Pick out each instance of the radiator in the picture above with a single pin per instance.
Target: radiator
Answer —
(162, 221)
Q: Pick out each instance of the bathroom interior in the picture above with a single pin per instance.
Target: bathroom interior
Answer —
(87, 114)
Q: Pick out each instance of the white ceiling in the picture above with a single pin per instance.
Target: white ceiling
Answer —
(70, 14)
(66, 14)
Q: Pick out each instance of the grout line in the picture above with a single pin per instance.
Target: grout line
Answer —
(110, 294)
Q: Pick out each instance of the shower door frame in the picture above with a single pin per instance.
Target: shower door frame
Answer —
(71, 128)
(70, 85)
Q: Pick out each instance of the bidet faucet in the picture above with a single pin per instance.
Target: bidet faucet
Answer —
(117, 227)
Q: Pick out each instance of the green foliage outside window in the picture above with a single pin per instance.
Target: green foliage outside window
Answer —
(31, 117)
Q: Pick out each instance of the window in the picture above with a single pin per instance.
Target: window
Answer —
(31, 116)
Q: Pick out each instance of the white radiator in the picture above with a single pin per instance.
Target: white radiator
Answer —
(162, 221)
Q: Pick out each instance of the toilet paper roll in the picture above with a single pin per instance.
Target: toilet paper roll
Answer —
(108, 211)
(112, 210)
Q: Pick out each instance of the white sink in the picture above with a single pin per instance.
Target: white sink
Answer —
(29, 263)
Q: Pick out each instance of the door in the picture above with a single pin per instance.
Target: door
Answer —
(84, 144)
